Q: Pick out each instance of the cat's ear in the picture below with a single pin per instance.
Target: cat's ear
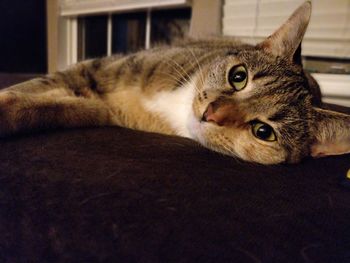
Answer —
(331, 133)
(286, 41)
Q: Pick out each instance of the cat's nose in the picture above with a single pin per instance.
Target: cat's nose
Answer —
(221, 114)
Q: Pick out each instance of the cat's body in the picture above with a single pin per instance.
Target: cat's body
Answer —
(253, 102)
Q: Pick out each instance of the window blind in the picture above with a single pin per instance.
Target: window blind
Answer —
(328, 34)
(85, 7)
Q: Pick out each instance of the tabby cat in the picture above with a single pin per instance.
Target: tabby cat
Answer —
(251, 102)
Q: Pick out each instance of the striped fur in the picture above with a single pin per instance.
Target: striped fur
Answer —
(168, 90)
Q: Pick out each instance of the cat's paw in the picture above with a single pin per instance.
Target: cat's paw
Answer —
(8, 99)
(8, 107)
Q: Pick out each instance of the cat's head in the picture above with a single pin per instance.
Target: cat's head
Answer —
(257, 103)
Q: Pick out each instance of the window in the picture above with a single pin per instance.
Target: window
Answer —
(94, 28)
(169, 25)
(92, 37)
(127, 32)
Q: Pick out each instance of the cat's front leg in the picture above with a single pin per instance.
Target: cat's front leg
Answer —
(26, 112)
(7, 113)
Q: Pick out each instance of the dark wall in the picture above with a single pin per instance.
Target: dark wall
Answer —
(23, 36)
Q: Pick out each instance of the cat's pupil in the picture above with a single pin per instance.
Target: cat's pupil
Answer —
(264, 132)
(239, 76)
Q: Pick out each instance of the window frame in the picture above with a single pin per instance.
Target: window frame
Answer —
(68, 22)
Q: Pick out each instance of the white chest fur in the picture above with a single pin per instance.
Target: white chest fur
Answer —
(174, 107)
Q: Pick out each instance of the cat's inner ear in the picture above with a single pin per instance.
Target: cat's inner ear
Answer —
(286, 41)
(331, 133)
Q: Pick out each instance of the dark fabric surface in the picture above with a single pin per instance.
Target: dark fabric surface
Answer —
(117, 195)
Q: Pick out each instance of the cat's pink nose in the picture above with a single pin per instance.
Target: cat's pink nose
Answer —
(219, 114)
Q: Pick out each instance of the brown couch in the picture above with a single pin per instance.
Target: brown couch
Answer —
(118, 195)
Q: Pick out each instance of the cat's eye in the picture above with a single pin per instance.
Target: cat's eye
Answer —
(238, 77)
(263, 131)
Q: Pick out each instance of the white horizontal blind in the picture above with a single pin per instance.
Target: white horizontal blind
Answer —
(328, 34)
(84, 7)
(335, 88)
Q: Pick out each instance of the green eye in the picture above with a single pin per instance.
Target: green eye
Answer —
(238, 77)
(263, 131)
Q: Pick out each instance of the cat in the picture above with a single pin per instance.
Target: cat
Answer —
(253, 102)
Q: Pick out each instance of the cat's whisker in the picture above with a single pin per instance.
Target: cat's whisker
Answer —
(201, 76)
(184, 71)
(183, 81)
(226, 147)
(186, 78)
(172, 77)
(224, 143)
(195, 84)
(177, 66)
(179, 74)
